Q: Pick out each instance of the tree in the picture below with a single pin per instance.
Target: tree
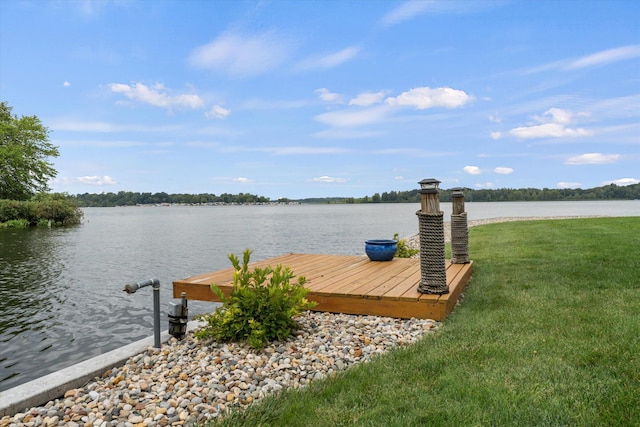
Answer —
(25, 150)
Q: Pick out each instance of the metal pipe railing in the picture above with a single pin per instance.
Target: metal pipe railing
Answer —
(131, 288)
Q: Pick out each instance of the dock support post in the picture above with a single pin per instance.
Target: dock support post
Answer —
(432, 265)
(459, 229)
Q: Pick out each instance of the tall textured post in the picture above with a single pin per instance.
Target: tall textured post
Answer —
(459, 229)
(432, 266)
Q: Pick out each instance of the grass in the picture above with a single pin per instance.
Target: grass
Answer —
(548, 334)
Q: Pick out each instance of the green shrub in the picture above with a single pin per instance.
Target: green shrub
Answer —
(9, 210)
(260, 307)
(403, 251)
(42, 208)
(15, 223)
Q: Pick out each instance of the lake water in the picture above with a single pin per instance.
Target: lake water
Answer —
(61, 298)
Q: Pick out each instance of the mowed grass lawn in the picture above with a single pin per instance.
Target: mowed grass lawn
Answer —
(547, 334)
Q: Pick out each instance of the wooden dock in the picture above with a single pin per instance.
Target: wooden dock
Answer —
(350, 284)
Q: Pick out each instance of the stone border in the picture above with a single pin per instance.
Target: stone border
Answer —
(55, 384)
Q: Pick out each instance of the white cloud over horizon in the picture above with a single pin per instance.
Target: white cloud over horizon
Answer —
(157, 96)
(367, 99)
(605, 57)
(554, 123)
(503, 170)
(327, 96)
(360, 117)
(96, 180)
(330, 60)
(472, 170)
(328, 179)
(243, 180)
(242, 55)
(600, 58)
(623, 182)
(413, 8)
(217, 112)
(592, 159)
(425, 97)
(564, 184)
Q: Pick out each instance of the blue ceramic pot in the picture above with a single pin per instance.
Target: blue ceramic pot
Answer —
(380, 249)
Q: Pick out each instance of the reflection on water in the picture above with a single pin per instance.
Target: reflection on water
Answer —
(29, 291)
(61, 294)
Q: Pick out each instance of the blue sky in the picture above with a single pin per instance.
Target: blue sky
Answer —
(328, 98)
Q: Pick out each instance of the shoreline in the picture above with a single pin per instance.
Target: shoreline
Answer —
(191, 381)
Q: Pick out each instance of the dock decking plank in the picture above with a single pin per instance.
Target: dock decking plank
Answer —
(350, 284)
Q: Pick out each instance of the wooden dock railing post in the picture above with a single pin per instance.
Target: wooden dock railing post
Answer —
(432, 264)
(459, 228)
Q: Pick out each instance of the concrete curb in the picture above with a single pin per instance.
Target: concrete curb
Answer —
(52, 386)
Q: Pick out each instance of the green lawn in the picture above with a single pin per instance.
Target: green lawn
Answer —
(548, 333)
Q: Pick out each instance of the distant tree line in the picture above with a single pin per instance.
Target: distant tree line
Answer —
(127, 198)
(607, 192)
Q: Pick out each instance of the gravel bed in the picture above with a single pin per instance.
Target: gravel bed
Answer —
(188, 381)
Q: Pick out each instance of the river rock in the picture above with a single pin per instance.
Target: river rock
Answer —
(190, 382)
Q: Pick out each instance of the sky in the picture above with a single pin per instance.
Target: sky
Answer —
(329, 98)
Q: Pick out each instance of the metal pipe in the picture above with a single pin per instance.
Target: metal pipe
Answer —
(131, 288)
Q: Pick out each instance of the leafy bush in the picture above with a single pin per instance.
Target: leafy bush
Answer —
(404, 251)
(42, 208)
(260, 307)
(9, 210)
(15, 223)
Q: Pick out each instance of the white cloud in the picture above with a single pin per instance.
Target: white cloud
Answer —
(286, 151)
(557, 115)
(599, 58)
(472, 170)
(404, 12)
(425, 97)
(66, 84)
(495, 118)
(353, 118)
(623, 181)
(368, 98)
(77, 126)
(328, 61)
(156, 96)
(217, 112)
(496, 135)
(328, 179)
(592, 159)
(328, 96)
(605, 57)
(105, 127)
(563, 184)
(96, 180)
(241, 55)
(243, 180)
(553, 125)
(484, 185)
(344, 133)
(548, 130)
(412, 8)
(503, 170)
